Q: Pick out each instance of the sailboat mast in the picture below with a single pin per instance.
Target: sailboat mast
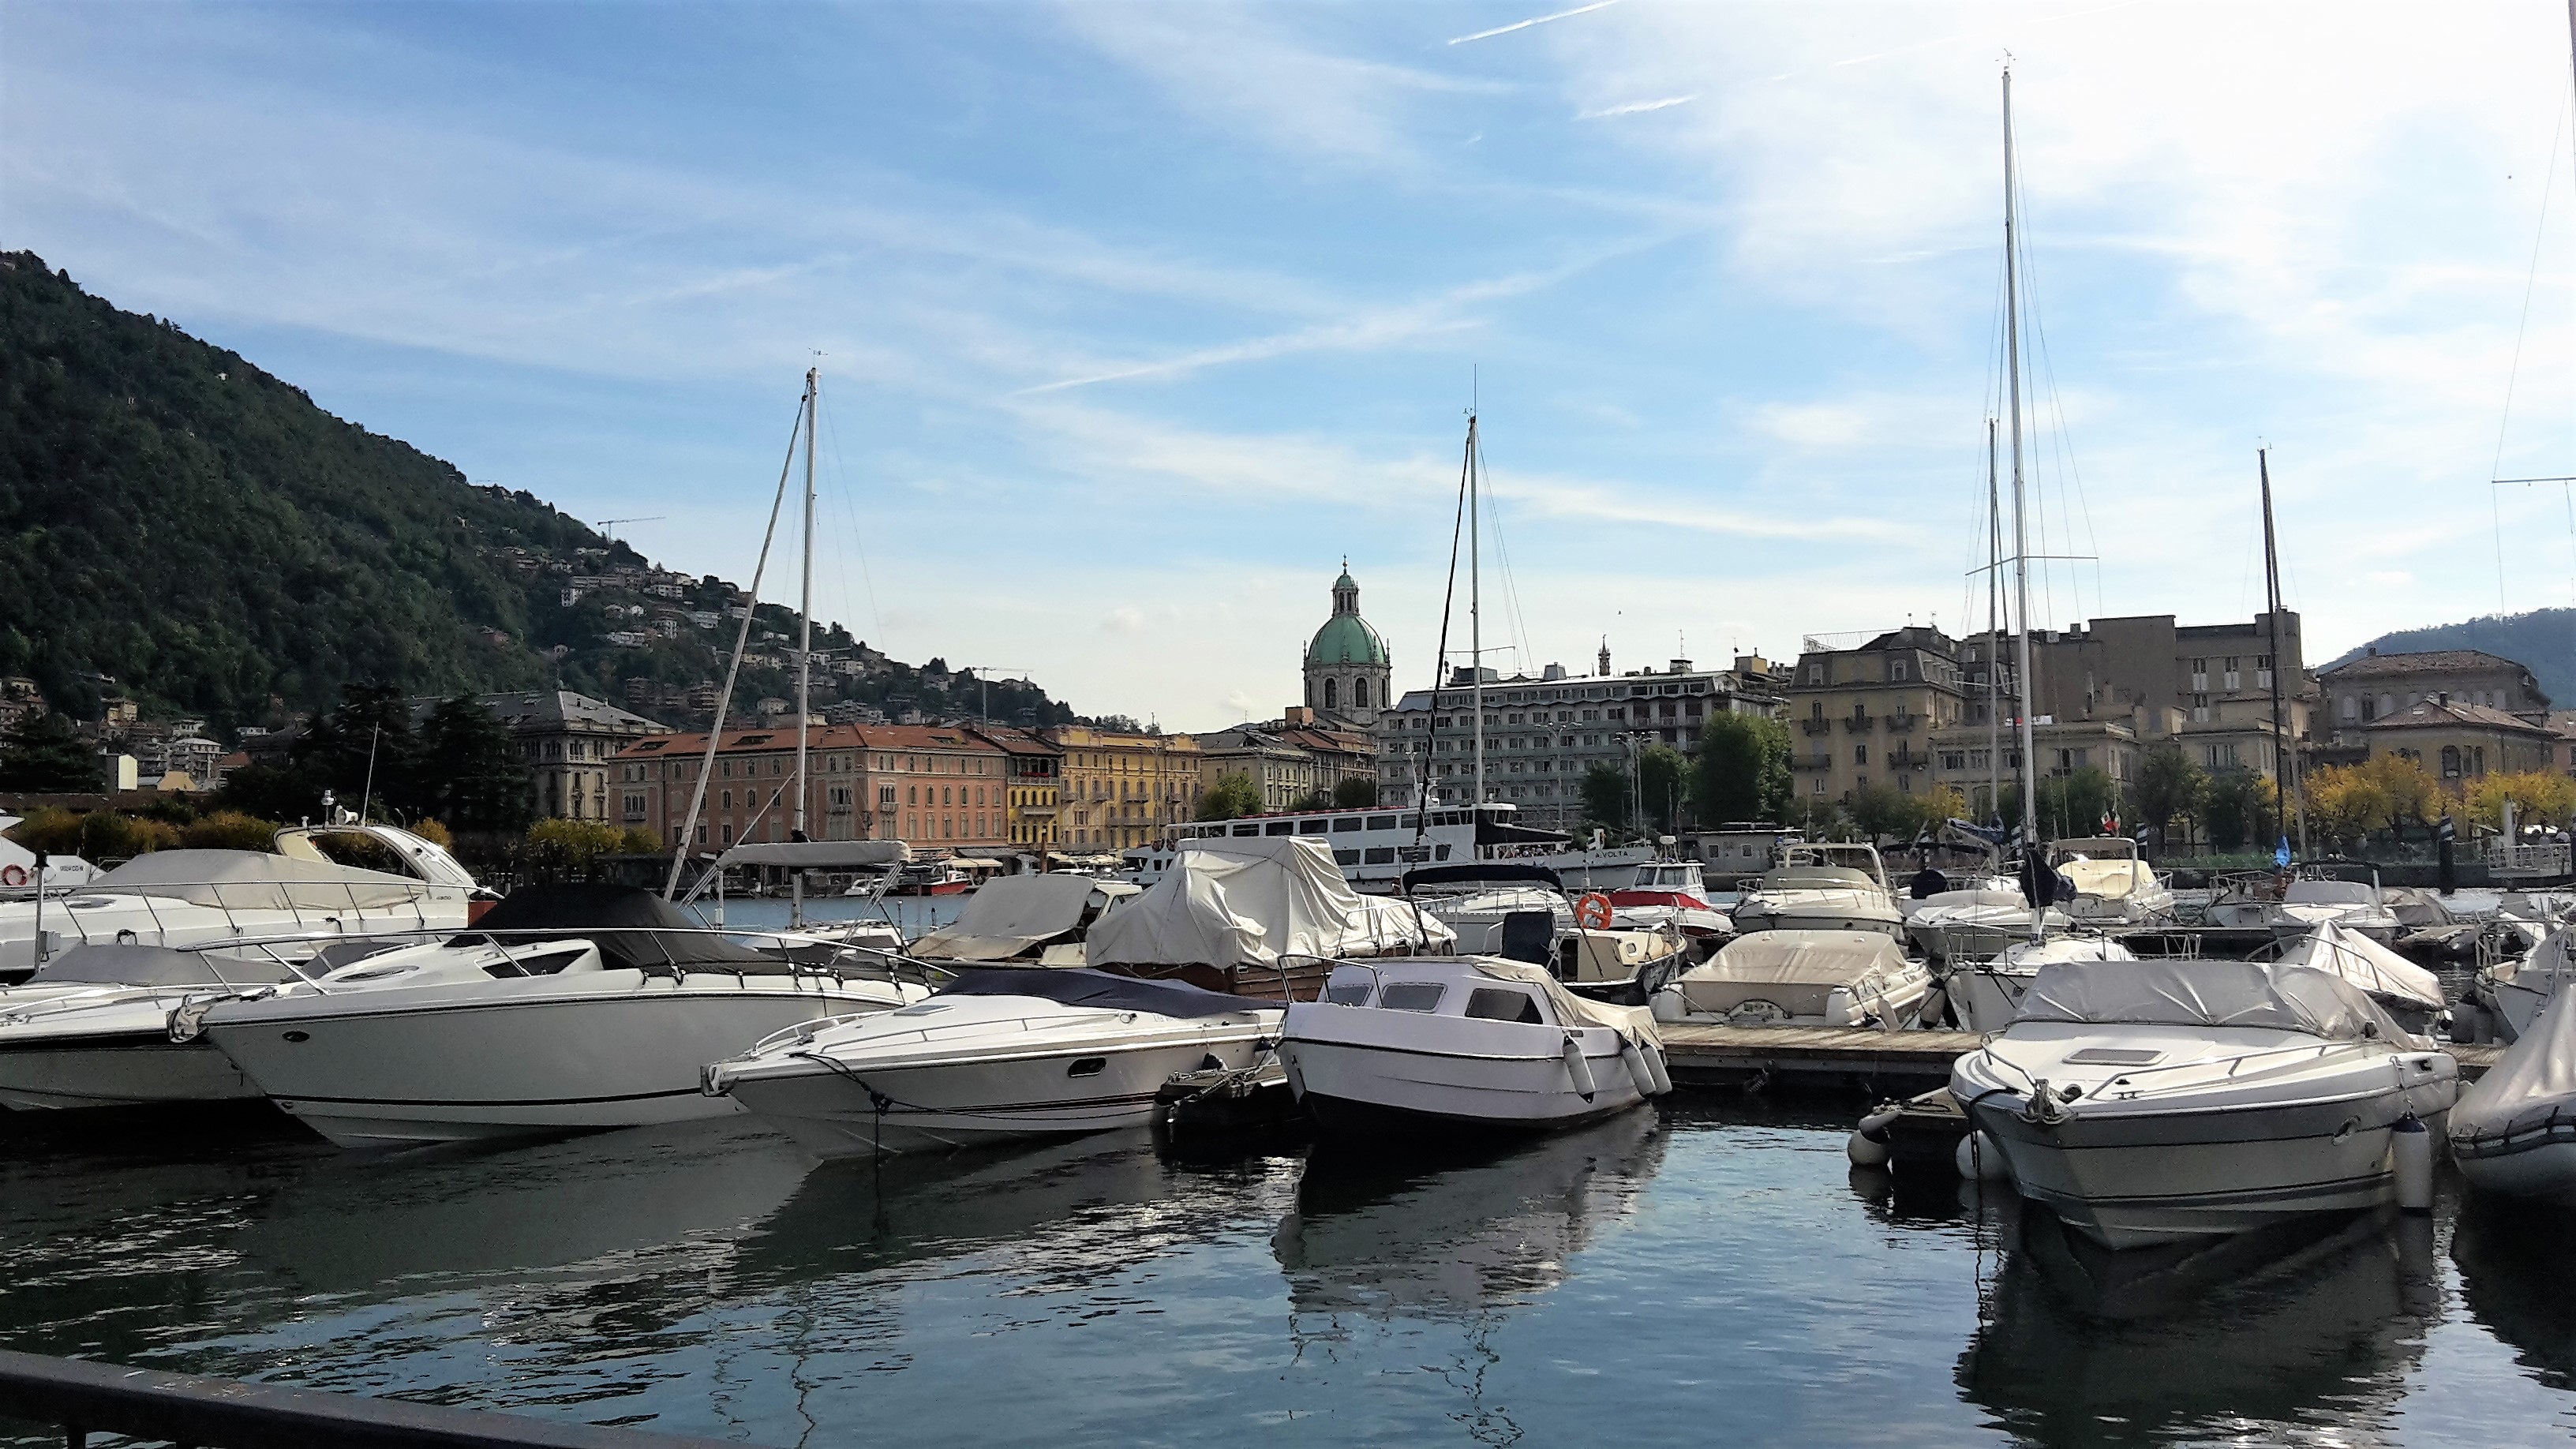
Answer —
(2272, 619)
(1475, 617)
(1994, 642)
(2021, 521)
(804, 649)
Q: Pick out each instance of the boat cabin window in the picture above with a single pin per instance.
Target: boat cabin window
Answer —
(1313, 827)
(543, 963)
(1412, 995)
(1346, 857)
(1378, 855)
(1497, 1004)
(1409, 822)
(1348, 822)
(1381, 822)
(1280, 827)
(1347, 993)
(1252, 828)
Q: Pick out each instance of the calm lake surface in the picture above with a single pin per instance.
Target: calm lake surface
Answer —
(1712, 1271)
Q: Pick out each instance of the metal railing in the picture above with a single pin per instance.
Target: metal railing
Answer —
(82, 1398)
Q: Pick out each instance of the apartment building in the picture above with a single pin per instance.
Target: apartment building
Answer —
(2360, 692)
(1035, 788)
(1123, 788)
(935, 787)
(1543, 734)
(1868, 712)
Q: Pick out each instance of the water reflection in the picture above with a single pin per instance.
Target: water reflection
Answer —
(1426, 1233)
(2520, 1280)
(2303, 1331)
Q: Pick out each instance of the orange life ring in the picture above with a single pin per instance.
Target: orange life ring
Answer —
(13, 875)
(1592, 912)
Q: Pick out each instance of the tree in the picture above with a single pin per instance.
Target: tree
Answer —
(2414, 796)
(362, 750)
(2238, 809)
(2538, 796)
(2169, 784)
(2344, 802)
(44, 755)
(1661, 771)
(2072, 804)
(471, 773)
(565, 849)
(1355, 792)
(1605, 796)
(228, 830)
(1741, 770)
(1230, 797)
(1883, 811)
(271, 793)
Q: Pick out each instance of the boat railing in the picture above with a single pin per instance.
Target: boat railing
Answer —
(415, 896)
(281, 948)
(82, 1398)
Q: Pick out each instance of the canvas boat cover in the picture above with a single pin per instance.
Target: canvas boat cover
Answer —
(2366, 964)
(818, 854)
(1633, 1023)
(2530, 1089)
(2109, 879)
(155, 966)
(250, 880)
(634, 930)
(1078, 986)
(1007, 916)
(2239, 994)
(1821, 962)
(1250, 902)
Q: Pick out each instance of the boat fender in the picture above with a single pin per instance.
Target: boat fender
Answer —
(1869, 1145)
(2411, 1148)
(1577, 1068)
(1667, 1004)
(1655, 1065)
(1979, 1159)
(1634, 1058)
(1296, 1078)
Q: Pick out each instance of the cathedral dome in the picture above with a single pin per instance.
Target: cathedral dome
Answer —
(1347, 639)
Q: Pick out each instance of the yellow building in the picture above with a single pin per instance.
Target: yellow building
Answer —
(1121, 788)
(2461, 742)
(1036, 783)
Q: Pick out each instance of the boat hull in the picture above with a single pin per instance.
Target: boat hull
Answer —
(127, 1069)
(385, 1073)
(1373, 1088)
(938, 1106)
(2544, 1170)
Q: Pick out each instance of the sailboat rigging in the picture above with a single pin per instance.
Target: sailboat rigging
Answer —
(2039, 892)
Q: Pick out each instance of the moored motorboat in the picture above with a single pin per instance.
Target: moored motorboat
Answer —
(1669, 895)
(609, 1029)
(2515, 987)
(997, 1053)
(1980, 920)
(2156, 1101)
(1834, 887)
(2514, 1130)
(92, 1028)
(2114, 885)
(1256, 917)
(2403, 989)
(1025, 918)
(2315, 900)
(1464, 1043)
(1985, 995)
(1800, 978)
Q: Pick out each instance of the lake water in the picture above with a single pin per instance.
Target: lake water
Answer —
(1712, 1272)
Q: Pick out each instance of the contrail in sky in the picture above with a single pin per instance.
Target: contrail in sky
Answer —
(1537, 20)
(1635, 107)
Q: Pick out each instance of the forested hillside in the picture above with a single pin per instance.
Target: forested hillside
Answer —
(178, 526)
(2544, 640)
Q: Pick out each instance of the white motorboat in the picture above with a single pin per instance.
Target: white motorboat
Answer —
(1255, 917)
(1822, 887)
(996, 1054)
(92, 1028)
(1800, 978)
(2315, 901)
(2114, 885)
(1980, 920)
(2514, 1130)
(1596, 946)
(1025, 918)
(1985, 995)
(2158, 1101)
(2515, 988)
(1478, 902)
(608, 1027)
(1440, 1044)
(1669, 895)
(2403, 989)
(194, 898)
(21, 876)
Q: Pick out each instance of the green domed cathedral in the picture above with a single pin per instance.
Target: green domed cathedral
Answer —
(1348, 671)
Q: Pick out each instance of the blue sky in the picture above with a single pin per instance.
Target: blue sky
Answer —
(1136, 319)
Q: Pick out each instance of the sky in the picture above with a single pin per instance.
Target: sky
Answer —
(1135, 320)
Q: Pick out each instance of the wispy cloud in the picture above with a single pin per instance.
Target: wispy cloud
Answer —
(1636, 108)
(1533, 20)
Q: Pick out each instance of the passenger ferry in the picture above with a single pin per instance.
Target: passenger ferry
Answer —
(1376, 847)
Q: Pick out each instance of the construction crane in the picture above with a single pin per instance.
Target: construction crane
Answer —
(984, 684)
(608, 526)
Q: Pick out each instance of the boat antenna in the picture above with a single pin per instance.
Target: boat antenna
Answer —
(2033, 863)
(804, 654)
(733, 669)
(366, 792)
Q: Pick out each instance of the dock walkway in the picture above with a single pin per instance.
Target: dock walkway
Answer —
(1707, 1055)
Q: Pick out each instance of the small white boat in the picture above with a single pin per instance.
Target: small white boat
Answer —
(2515, 988)
(2114, 885)
(2403, 989)
(1980, 920)
(1985, 995)
(1478, 903)
(608, 1027)
(1827, 887)
(92, 1028)
(2514, 1130)
(1669, 895)
(998, 1053)
(1025, 917)
(2158, 1101)
(2316, 901)
(1441, 1044)
(1800, 978)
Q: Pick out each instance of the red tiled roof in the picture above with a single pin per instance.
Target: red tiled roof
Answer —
(817, 737)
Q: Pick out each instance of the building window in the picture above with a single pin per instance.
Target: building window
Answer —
(1860, 754)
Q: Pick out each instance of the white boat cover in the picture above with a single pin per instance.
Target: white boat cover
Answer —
(818, 854)
(2209, 994)
(246, 880)
(2109, 879)
(1249, 902)
(2366, 964)
(155, 966)
(2534, 1083)
(1008, 915)
(1823, 961)
(1633, 1023)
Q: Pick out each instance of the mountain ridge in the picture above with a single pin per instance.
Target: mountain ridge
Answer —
(2543, 640)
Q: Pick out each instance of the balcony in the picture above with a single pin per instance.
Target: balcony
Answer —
(1859, 722)
(1908, 760)
(1815, 724)
(1811, 762)
(1898, 724)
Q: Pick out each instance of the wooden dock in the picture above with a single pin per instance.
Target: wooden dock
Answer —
(1885, 1062)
